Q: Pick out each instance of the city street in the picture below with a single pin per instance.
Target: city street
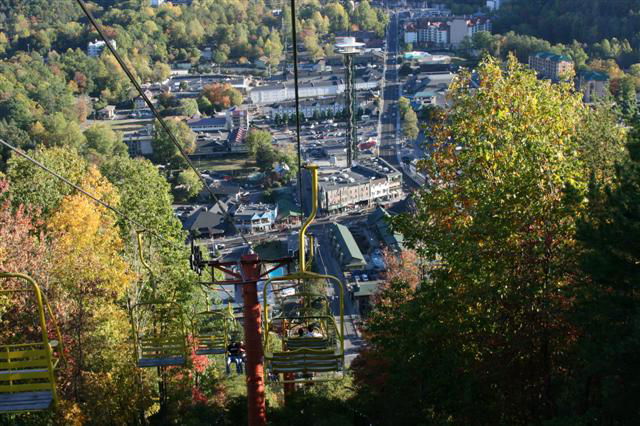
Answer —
(389, 142)
(329, 265)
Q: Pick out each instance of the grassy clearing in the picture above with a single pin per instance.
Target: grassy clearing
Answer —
(230, 163)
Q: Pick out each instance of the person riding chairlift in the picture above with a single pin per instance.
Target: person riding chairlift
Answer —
(236, 354)
(313, 332)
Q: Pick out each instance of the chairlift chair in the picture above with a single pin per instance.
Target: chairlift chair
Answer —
(212, 330)
(27, 379)
(162, 343)
(311, 357)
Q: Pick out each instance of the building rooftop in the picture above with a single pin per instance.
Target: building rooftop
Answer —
(594, 75)
(379, 220)
(256, 211)
(366, 288)
(348, 245)
(365, 170)
(203, 218)
(553, 57)
(207, 121)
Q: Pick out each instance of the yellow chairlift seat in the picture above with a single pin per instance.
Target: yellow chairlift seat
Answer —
(212, 331)
(27, 380)
(163, 344)
(308, 355)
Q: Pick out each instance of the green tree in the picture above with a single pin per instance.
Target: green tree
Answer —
(32, 186)
(189, 107)
(265, 157)
(410, 124)
(627, 97)
(59, 131)
(338, 17)
(404, 105)
(164, 151)
(103, 142)
(257, 138)
(608, 304)
(496, 225)
(190, 181)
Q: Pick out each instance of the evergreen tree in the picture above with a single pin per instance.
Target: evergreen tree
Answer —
(608, 302)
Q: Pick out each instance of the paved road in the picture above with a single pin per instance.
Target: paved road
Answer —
(390, 123)
(329, 265)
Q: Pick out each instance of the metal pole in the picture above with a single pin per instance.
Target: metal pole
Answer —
(294, 41)
(253, 337)
(348, 61)
(354, 114)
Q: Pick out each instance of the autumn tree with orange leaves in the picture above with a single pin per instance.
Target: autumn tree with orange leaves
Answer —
(222, 95)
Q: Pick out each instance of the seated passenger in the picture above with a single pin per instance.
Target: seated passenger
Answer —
(235, 352)
(313, 332)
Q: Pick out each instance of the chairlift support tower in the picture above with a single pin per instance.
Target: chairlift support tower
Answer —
(349, 47)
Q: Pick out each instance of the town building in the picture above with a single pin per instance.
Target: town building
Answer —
(205, 223)
(461, 27)
(379, 222)
(363, 294)
(139, 103)
(345, 248)
(207, 124)
(250, 218)
(326, 107)
(95, 48)
(433, 32)
(410, 33)
(238, 118)
(551, 66)
(156, 3)
(593, 85)
(139, 141)
(370, 181)
(236, 141)
(107, 113)
(276, 93)
(444, 31)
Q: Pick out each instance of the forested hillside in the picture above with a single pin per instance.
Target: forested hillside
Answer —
(562, 21)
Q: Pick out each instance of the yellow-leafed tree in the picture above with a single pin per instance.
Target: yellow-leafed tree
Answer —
(91, 277)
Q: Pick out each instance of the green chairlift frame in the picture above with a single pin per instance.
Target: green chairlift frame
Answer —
(166, 343)
(27, 379)
(311, 355)
(209, 340)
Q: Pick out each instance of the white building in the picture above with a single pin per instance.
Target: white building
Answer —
(139, 103)
(238, 118)
(331, 106)
(410, 33)
(95, 48)
(156, 3)
(436, 32)
(255, 217)
(280, 93)
(462, 27)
